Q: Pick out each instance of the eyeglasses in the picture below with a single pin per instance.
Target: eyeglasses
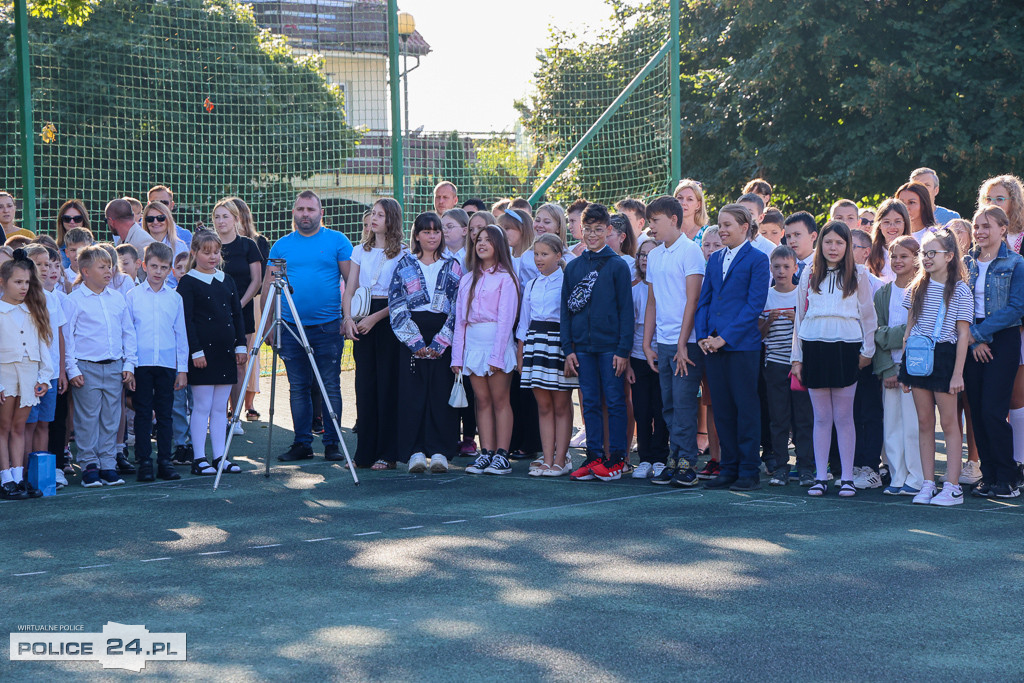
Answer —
(932, 252)
(156, 219)
(860, 246)
(594, 231)
(67, 218)
(993, 200)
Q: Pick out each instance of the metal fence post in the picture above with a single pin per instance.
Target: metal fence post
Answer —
(397, 162)
(28, 152)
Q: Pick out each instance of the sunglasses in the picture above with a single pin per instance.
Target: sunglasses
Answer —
(156, 219)
(72, 219)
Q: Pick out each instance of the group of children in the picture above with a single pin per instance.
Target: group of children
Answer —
(107, 323)
(684, 322)
(852, 334)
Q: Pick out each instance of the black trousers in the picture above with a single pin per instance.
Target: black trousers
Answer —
(154, 392)
(525, 419)
(989, 387)
(788, 410)
(467, 415)
(651, 430)
(376, 357)
(768, 453)
(58, 433)
(867, 420)
(426, 423)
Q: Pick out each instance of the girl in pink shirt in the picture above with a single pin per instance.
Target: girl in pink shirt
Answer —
(483, 347)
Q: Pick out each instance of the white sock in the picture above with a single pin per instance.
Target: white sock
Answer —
(18, 473)
(1017, 423)
(6, 476)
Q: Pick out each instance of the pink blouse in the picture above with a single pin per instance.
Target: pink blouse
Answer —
(495, 300)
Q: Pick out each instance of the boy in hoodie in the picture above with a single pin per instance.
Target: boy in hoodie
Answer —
(597, 336)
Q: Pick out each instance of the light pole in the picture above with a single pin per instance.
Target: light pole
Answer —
(406, 27)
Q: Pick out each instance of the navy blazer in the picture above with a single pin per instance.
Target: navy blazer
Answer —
(730, 308)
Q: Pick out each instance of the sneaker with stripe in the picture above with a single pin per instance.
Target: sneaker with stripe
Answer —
(583, 472)
(482, 462)
(608, 471)
(499, 463)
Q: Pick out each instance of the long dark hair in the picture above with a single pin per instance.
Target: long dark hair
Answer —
(924, 197)
(955, 272)
(847, 267)
(876, 259)
(79, 206)
(35, 300)
(503, 260)
(392, 228)
(428, 220)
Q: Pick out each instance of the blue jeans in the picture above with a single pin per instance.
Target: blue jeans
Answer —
(680, 400)
(597, 381)
(327, 344)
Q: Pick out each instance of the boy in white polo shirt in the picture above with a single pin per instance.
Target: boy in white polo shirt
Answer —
(675, 270)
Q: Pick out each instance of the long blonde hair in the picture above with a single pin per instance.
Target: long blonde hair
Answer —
(701, 217)
(161, 208)
(232, 208)
(557, 214)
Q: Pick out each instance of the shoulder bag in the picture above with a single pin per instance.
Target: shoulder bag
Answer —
(919, 354)
(360, 306)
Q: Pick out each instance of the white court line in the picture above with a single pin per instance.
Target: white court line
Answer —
(408, 528)
(454, 521)
(269, 545)
(155, 559)
(94, 566)
(30, 574)
(367, 533)
(215, 552)
(590, 502)
(316, 540)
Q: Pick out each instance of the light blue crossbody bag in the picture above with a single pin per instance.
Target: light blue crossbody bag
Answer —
(919, 354)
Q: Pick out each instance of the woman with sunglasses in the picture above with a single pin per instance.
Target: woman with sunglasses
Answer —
(158, 221)
(72, 214)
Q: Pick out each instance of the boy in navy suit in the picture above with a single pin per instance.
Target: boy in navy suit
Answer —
(732, 297)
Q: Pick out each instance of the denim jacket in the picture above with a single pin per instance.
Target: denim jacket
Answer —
(1004, 292)
(407, 290)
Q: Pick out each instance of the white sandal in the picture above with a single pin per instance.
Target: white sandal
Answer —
(539, 471)
(538, 463)
(556, 471)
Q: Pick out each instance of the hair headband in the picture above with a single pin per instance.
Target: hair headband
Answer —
(514, 214)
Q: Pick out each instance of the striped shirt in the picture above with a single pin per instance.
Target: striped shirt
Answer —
(779, 341)
(960, 307)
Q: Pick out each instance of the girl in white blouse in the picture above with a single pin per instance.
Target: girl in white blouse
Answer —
(541, 363)
(25, 366)
(834, 337)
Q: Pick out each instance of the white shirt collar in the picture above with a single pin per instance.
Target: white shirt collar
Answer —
(732, 250)
(148, 287)
(207, 278)
(88, 292)
(7, 307)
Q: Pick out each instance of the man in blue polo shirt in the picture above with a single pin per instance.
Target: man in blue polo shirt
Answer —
(930, 179)
(317, 261)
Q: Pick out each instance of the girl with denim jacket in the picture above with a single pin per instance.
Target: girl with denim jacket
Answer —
(421, 304)
(996, 278)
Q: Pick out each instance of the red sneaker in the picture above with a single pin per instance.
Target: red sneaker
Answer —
(467, 448)
(584, 473)
(710, 471)
(606, 472)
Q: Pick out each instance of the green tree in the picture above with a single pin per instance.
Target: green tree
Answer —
(189, 93)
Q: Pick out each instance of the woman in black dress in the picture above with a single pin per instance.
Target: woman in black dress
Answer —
(244, 263)
(247, 228)
(216, 346)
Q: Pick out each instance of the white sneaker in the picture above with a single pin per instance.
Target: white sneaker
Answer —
(237, 429)
(643, 470)
(926, 494)
(867, 478)
(417, 463)
(951, 494)
(657, 469)
(438, 463)
(62, 481)
(579, 440)
(971, 474)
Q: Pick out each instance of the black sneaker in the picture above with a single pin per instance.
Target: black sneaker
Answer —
(318, 425)
(982, 489)
(1020, 475)
(332, 453)
(165, 470)
(110, 478)
(183, 455)
(671, 467)
(1005, 491)
(685, 477)
(11, 491)
(296, 452)
(145, 472)
(91, 477)
(123, 465)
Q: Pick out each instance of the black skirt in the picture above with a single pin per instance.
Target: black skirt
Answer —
(942, 370)
(830, 365)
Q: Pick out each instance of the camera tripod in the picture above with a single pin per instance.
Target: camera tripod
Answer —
(280, 290)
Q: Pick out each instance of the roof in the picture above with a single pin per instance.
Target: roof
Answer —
(342, 25)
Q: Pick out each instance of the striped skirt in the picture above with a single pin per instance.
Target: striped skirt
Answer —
(543, 362)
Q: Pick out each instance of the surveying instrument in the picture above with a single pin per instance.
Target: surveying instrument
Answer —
(280, 289)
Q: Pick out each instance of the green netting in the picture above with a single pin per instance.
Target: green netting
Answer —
(214, 98)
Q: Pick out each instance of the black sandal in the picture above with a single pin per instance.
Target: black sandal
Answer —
(228, 466)
(847, 489)
(251, 415)
(202, 468)
(818, 488)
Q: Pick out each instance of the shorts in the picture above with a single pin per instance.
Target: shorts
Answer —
(46, 408)
(19, 379)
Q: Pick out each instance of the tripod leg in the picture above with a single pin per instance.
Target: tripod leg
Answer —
(320, 382)
(249, 369)
(270, 430)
